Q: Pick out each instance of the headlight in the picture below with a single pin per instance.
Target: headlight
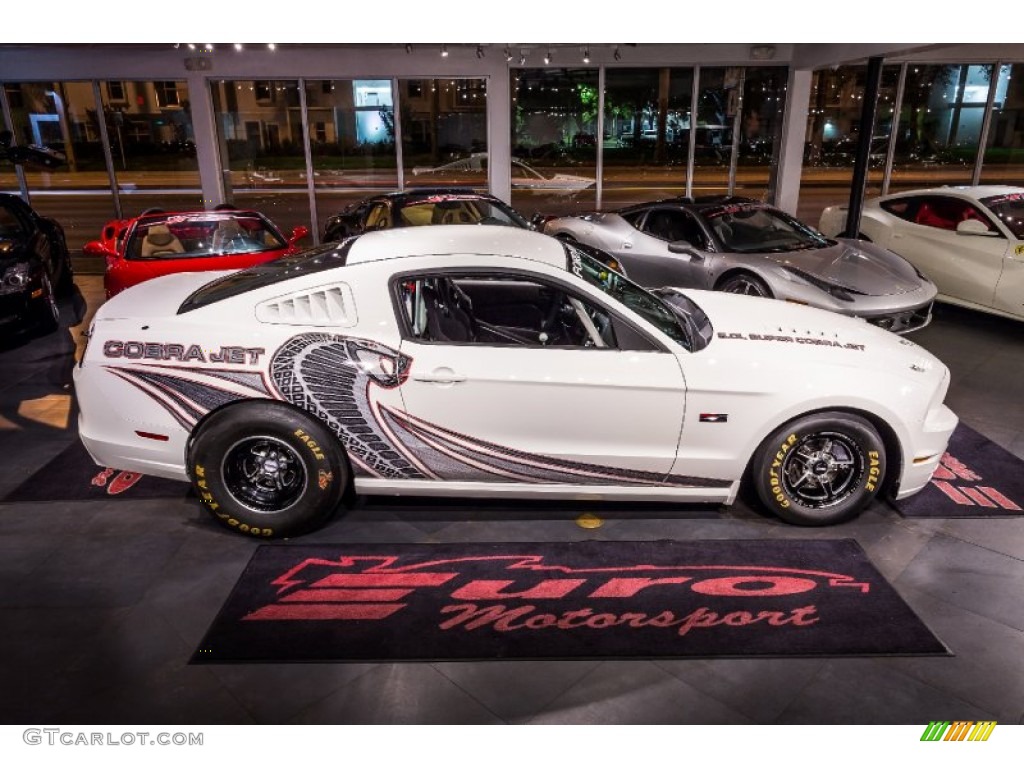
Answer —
(837, 292)
(16, 278)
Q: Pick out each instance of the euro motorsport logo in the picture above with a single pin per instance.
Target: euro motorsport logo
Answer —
(959, 730)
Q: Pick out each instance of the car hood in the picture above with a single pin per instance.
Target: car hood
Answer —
(857, 266)
(747, 327)
(159, 297)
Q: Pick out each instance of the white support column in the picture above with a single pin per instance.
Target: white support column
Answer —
(205, 127)
(499, 134)
(794, 135)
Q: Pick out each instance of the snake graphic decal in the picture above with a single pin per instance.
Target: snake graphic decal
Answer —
(335, 377)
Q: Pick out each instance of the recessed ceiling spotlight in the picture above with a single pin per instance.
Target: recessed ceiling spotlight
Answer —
(547, 57)
(522, 58)
(272, 46)
(208, 47)
(444, 51)
(586, 55)
(191, 46)
(239, 46)
(508, 53)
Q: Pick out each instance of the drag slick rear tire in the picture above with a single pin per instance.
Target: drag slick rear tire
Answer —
(820, 469)
(267, 469)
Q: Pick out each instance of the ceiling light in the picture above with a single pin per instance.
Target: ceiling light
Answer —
(408, 47)
(522, 58)
(238, 46)
(586, 55)
(444, 51)
(272, 46)
(191, 46)
(508, 53)
(547, 57)
(208, 47)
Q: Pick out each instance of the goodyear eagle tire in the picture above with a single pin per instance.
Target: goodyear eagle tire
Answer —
(268, 470)
(820, 469)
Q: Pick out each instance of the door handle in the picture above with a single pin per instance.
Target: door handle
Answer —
(627, 246)
(440, 376)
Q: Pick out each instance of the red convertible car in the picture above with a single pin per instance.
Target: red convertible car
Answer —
(159, 243)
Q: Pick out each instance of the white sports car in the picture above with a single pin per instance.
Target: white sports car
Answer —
(968, 240)
(485, 361)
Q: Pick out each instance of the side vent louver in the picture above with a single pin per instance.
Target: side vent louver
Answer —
(331, 306)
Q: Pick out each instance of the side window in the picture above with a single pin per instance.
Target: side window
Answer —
(672, 224)
(508, 310)
(379, 217)
(941, 212)
(902, 208)
(634, 217)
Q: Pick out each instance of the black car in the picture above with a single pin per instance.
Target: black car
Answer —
(34, 267)
(421, 207)
(426, 206)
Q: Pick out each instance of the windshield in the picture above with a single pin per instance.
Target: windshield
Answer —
(756, 228)
(318, 259)
(458, 209)
(630, 295)
(185, 236)
(1010, 210)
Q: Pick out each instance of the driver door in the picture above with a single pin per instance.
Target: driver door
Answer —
(527, 409)
(650, 263)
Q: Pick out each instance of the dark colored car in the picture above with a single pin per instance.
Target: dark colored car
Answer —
(34, 267)
(444, 205)
(421, 207)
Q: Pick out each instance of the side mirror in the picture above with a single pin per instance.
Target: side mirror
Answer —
(97, 248)
(976, 228)
(298, 233)
(685, 248)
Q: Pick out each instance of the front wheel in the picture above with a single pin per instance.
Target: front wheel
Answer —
(268, 470)
(746, 284)
(820, 469)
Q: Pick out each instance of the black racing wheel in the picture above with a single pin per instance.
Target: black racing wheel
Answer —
(267, 469)
(820, 469)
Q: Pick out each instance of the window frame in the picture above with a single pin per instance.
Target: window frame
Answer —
(405, 329)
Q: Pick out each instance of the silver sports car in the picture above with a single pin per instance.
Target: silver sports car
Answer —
(741, 245)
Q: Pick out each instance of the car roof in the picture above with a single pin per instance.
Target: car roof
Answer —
(447, 239)
(978, 192)
(697, 203)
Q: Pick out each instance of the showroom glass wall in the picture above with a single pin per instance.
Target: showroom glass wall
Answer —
(930, 123)
(613, 136)
(581, 137)
(134, 152)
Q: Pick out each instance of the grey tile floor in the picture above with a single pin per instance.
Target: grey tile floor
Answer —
(101, 604)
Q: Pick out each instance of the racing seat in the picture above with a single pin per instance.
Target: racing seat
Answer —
(160, 241)
(449, 313)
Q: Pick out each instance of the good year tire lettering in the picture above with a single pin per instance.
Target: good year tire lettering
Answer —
(774, 481)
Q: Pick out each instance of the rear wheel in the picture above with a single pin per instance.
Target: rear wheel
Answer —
(820, 469)
(268, 470)
(746, 284)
